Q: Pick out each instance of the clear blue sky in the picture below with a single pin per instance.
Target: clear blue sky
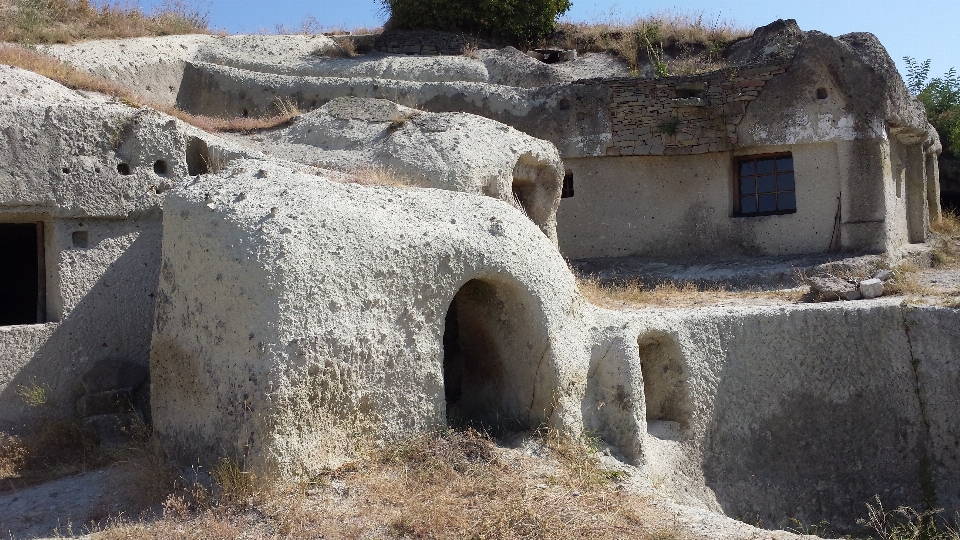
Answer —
(928, 29)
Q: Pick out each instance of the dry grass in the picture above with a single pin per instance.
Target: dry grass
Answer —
(53, 68)
(671, 294)
(344, 47)
(946, 240)
(378, 176)
(287, 111)
(67, 21)
(59, 448)
(63, 73)
(904, 281)
(949, 223)
(453, 484)
(691, 44)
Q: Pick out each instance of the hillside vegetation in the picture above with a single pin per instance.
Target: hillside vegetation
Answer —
(673, 43)
(941, 99)
(67, 21)
(518, 22)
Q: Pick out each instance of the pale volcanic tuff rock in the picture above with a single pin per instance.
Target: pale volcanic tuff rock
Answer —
(76, 154)
(92, 171)
(455, 151)
(295, 314)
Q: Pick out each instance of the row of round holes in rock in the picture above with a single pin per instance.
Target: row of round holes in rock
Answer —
(159, 167)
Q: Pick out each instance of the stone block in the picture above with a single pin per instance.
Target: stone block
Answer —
(828, 288)
(737, 108)
(871, 288)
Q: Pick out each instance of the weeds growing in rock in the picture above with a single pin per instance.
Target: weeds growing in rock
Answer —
(906, 523)
(635, 293)
(34, 395)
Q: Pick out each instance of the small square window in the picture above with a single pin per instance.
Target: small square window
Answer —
(767, 185)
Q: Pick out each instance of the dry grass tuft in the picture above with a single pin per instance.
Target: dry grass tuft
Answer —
(671, 294)
(287, 112)
(379, 176)
(691, 44)
(346, 48)
(946, 240)
(13, 456)
(949, 223)
(67, 21)
(53, 68)
(451, 484)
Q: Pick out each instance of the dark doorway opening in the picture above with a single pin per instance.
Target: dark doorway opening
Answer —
(488, 383)
(22, 274)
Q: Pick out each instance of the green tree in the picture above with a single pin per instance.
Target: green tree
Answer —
(941, 98)
(522, 22)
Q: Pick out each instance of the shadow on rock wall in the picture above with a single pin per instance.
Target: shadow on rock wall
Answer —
(113, 320)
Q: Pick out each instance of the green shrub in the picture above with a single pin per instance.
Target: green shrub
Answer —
(941, 98)
(521, 22)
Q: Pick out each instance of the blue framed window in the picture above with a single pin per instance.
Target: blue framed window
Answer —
(766, 185)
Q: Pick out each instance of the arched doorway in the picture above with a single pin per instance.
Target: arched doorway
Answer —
(488, 372)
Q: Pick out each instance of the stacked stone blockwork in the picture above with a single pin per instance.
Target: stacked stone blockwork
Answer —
(427, 42)
(683, 115)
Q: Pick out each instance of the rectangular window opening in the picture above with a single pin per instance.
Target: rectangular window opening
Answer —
(22, 274)
(766, 185)
(567, 190)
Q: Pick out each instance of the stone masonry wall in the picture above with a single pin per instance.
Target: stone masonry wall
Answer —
(683, 115)
(427, 42)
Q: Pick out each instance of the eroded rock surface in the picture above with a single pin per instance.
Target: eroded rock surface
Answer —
(454, 151)
(334, 311)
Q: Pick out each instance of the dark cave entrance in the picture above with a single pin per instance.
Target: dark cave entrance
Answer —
(488, 384)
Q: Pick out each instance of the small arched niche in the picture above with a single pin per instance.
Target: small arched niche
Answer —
(488, 374)
(536, 190)
(665, 391)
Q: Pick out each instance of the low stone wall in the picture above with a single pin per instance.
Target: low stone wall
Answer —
(428, 42)
(809, 411)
